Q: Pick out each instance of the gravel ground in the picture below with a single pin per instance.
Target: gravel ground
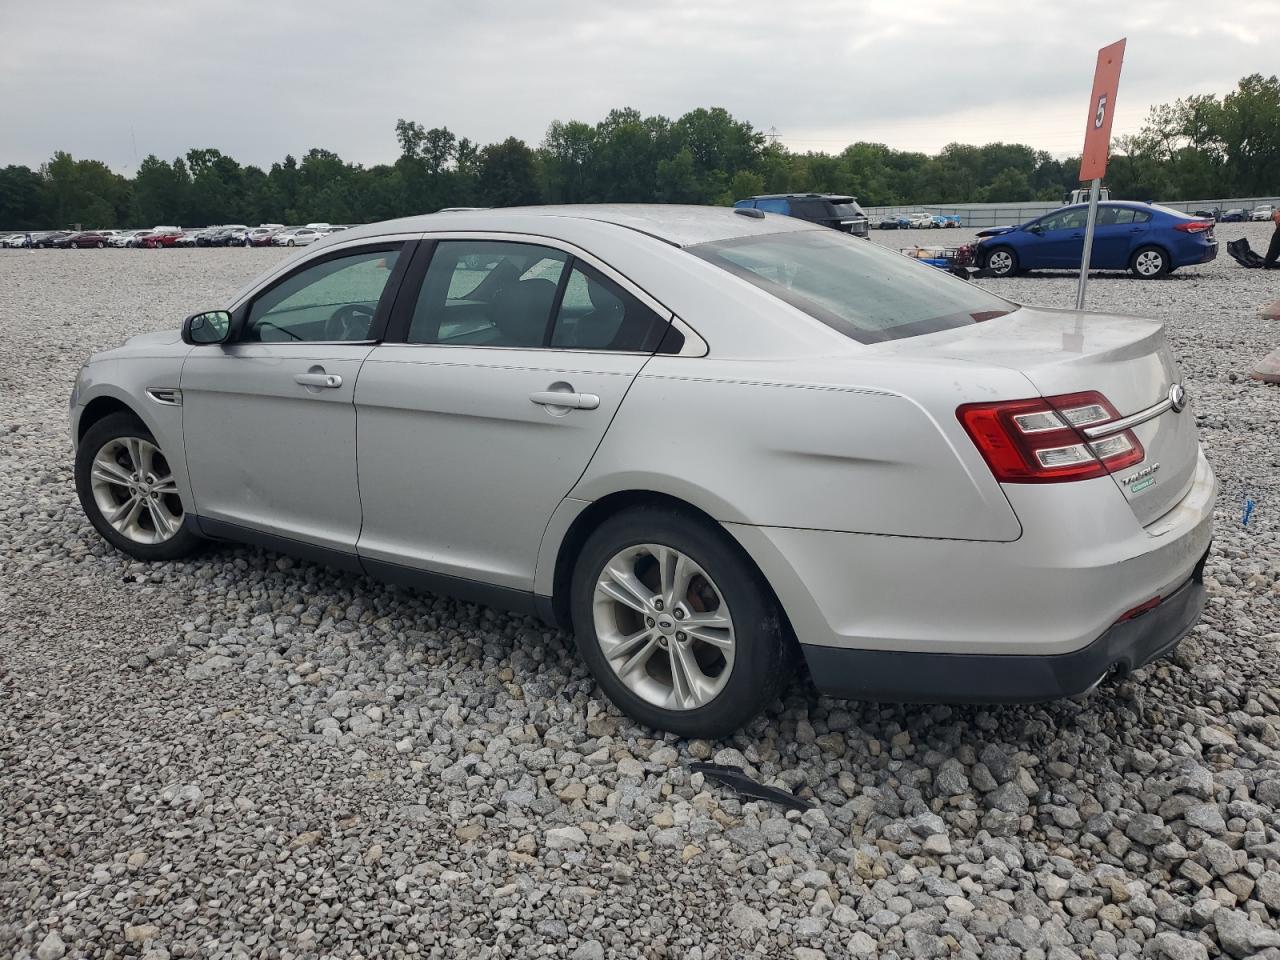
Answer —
(246, 755)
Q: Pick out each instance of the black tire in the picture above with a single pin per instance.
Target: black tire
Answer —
(1006, 261)
(763, 651)
(119, 426)
(1149, 263)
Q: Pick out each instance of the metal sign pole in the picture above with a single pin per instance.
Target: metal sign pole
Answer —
(1088, 242)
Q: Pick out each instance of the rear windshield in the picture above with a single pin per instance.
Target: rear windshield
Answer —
(847, 211)
(863, 290)
(1180, 214)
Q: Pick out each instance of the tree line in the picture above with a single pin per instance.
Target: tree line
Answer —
(1204, 146)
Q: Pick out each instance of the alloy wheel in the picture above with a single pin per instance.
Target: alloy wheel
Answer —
(1000, 262)
(1149, 263)
(663, 626)
(134, 488)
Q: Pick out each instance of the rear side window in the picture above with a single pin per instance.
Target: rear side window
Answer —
(499, 294)
(773, 205)
(487, 294)
(863, 290)
(1117, 216)
(596, 314)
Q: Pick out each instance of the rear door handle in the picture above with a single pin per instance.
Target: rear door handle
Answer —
(330, 380)
(574, 401)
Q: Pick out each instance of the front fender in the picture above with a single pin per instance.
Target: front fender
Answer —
(125, 382)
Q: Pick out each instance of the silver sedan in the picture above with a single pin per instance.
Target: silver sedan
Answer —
(710, 442)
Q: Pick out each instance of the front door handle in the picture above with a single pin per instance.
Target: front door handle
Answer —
(330, 380)
(574, 401)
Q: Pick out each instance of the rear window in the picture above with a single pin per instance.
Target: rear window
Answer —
(864, 291)
(811, 209)
(847, 211)
(1180, 214)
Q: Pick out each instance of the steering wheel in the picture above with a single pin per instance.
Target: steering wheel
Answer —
(350, 322)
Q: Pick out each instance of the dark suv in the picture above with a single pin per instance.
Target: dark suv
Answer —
(831, 210)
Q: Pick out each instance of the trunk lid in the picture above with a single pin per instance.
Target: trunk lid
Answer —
(1126, 359)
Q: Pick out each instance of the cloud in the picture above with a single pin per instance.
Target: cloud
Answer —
(259, 80)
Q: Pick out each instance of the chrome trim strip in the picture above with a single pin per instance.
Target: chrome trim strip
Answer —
(1133, 420)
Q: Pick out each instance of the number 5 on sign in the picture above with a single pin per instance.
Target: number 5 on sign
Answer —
(1097, 137)
(1097, 145)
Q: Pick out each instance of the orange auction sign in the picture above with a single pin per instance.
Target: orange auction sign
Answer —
(1102, 106)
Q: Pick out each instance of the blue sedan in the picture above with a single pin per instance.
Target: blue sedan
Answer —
(1145, 238)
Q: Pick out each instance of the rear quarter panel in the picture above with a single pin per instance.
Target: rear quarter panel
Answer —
(826, 444)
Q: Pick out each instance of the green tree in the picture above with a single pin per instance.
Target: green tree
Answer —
(23, 200)
(508, 174)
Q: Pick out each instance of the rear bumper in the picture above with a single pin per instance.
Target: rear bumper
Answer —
(1009, 678)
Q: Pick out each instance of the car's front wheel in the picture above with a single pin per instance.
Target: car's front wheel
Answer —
(1149, 263)
(128, 491)
(676, 625)
(1002, 262)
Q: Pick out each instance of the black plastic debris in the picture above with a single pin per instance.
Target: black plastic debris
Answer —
(1244, 254)
(749, 789)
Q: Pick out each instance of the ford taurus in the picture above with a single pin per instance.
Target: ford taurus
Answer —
(709, 442)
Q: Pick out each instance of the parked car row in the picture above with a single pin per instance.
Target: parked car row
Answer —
(159, 237)
(917, 221)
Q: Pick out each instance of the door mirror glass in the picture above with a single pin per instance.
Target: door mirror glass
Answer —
(1034, 228)
(213, 326)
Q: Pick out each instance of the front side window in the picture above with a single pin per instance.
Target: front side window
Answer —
(1067, 220)
(860, 289)
(332, 300)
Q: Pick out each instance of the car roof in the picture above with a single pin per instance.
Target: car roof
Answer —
(834, 197)
(678, 225)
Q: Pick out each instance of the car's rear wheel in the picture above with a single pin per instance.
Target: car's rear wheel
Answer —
(100, 244)
(128, 491)
(676, 625)
(1002, 262)
(1148, 263)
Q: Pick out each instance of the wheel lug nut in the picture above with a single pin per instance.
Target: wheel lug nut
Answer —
(648, 621)
(681, 637)
(679, 613)
(657, 604)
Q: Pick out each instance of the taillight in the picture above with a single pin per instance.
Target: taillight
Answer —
(1039, 440)
(1193, 226)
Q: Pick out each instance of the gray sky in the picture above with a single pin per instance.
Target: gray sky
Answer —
(264, 78)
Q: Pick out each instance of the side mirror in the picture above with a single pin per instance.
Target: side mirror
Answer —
(1035, 228)
(212, 326)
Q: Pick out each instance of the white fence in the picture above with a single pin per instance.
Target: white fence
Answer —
(996, 214)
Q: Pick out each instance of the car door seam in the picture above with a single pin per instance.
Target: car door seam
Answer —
(583, 472)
